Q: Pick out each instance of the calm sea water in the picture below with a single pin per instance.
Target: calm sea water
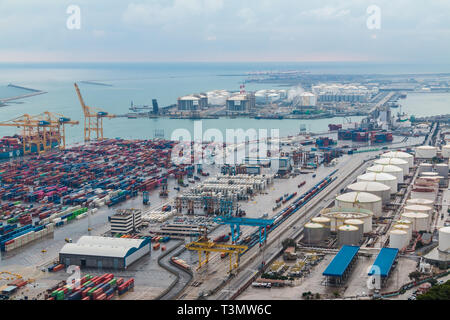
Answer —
(164, 81)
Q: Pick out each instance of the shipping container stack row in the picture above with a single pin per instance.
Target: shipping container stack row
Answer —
(103, 287)
(18, 237)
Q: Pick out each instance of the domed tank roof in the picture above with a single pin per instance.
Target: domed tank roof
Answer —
(354, 197)
(369, 186)
(348, 228)
(415, 215)
(391, 161)
(312, 225)
(387, 168)
(419, 201)
(396, 154)
(373, 176)
(321, 220)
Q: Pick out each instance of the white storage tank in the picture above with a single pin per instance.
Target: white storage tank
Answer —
(446, 151)
(339, 215)
(424, 193)
(420, 202)
(389, 169)
(406, 223)
(400, 155)
(360, 200)
(384, 178)
(419, 220)
(444, 239)
(426, 152)
(418, 208)
(314, 233)
(398, 239)
(326, 222)
(401, 163)
(348, 235)
(404, 227)
(357, 223)
(379, 189)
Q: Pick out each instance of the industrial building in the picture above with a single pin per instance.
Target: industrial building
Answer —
(241, 102)
(340, 267)
(126, 221)
(384, 263)
(193, 102)
(104, 252)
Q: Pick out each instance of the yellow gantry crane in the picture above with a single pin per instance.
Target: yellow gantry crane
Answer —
(44, 131)
(207, 246)
(93, 118)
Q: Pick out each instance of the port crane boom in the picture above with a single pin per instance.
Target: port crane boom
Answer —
(93, 118)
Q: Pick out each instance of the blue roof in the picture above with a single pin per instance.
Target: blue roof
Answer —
(341, 261)
(384, 262)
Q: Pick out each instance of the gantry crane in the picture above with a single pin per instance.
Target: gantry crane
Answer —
(93, 118)
(44, 131)
(203, 244)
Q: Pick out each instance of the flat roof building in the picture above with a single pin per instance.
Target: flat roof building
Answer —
(104, 252)
(126, 221)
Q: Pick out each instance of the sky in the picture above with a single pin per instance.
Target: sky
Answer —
(225, 30)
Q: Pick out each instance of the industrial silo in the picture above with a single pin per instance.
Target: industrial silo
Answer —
(420, 221)
(401, 163)
(339, 215)
(379, 189)
(314, 233)
(384, 178)
(348, 235)
(444, 239)
(398, 239)
(404, 227)
(362, 200)
(326, 222)
(389, 169)
(357, 223)
(446, 151)
(426, 152)
(400, 155)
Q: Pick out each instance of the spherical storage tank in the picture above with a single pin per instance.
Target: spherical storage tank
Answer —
(426, 152)
(338, 215)
(379, 189)
(398, 239)
(400, 155)
(360, 200)
(314, 233)
(419, 220)
(348, 235)
(390, 169)
(401, 163)
(446, 151)
(384, 178)
(444, 239)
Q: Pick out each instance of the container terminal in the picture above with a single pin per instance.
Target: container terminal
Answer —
(343, 209)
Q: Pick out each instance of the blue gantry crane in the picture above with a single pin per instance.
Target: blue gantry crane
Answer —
(236, 223)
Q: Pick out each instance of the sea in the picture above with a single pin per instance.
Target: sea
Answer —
(141, 82)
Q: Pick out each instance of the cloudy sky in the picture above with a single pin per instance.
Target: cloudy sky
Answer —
(225, 30)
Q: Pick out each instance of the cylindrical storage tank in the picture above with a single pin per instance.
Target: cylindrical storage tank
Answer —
(446, 151)
(339, 215)
(419, 220)
(406, 223)
(425, 167)
(426, 152)
(360, 200)
(418, 208)
(429, 174)
(348, 235)
(400, 155)
(384, 178)
(389, 169)
(444, 239)
(314, 233)
(405, 228)
(357, 223)
(379, 189)
(442, 169)
(420, 202)
(401, 163)
(326, 222)
(398, 239)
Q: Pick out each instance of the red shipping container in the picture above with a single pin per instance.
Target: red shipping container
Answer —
(101, 297)
(86, 298)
